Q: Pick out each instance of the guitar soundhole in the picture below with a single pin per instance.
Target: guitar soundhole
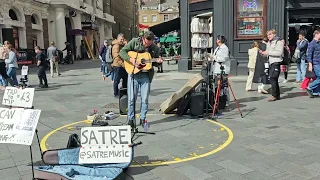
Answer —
(143, 61)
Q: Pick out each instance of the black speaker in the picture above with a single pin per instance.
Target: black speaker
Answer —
(197, 104)
(123, 101)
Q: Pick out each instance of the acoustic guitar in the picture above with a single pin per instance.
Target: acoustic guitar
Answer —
(143, 58)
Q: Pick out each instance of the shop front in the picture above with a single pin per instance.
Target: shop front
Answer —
(240, 21)
(92, 36)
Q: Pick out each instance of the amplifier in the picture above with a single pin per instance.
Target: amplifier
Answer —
(123, 101)
(197, 104)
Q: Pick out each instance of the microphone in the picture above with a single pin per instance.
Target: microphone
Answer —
(135, 144)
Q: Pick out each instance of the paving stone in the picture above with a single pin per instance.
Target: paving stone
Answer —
(234, 167)
(268, 150)
(166, 172)
(297, 170)
(193, 173)
(257, 175)
(207, 166)
(7, 163)
(314, 167)
(10, 174)
(225, 174)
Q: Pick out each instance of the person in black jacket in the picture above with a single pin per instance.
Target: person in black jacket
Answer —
(261, 72)
(42, 67)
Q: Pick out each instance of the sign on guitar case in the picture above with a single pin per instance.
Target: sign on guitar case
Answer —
(105, 144)
(18, 125)
(18, 97)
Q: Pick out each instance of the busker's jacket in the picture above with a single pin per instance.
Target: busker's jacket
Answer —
(117, 60)
(314, 52)
(136, 45)
(275, 51)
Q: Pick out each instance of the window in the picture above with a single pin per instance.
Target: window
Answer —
(13, 15)
(154, 18)
(144, 19)
(166, 17)
(250, 22)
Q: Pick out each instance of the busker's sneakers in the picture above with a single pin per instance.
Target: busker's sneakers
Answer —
(310, 93)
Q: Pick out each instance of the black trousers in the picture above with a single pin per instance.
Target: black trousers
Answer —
(274, 79)
(3, 72)
(42, 75)
(119, 73)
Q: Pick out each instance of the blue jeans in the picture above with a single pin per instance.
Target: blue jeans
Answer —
(3, 82)
(141, 80)
(301, 70)
(315, 83)
(119, 73)
(12, 73)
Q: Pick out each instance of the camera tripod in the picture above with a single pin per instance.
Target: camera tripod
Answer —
(223, 82)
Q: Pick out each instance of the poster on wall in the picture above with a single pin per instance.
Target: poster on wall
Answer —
(22, 57)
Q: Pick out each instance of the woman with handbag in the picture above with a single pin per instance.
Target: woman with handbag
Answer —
(253, 52)
(261, 70)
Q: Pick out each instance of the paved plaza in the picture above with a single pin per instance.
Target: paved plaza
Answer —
(275, 140)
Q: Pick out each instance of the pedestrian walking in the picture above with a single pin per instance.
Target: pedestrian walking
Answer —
(253, 52)
(53, 56)
(12, 65)
(42, 67)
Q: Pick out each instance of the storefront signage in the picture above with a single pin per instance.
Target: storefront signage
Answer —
(23, 57)
(90, 25)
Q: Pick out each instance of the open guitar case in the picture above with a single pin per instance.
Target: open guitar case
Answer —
(62, 164)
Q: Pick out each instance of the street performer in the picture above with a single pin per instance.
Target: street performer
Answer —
(142, 79)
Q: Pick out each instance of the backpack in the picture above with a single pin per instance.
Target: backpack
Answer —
(286, 55)
(109, 57)
(74, 141)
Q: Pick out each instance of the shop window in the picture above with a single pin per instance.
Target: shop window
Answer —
(166, 17)
(154, 18)
(13, 15)
(251, 19)
(33, 19)
(144, 19)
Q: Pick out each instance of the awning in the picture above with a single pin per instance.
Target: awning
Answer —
(166, 27)
(170, 39)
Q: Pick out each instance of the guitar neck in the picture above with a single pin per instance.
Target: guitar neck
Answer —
(151, 60)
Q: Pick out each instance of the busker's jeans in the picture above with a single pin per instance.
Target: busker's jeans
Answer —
(301, 70)
(3, 72)
(274, 78)
(316, 82)
(12, 73)
(119, 73)
(140, 80)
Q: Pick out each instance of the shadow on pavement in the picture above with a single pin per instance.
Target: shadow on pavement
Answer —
(54, 86)
(156, 92)
(294, 95)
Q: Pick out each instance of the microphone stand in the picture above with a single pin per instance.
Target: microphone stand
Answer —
(135, 129)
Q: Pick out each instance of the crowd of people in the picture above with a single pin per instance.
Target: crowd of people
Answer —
(271, 56)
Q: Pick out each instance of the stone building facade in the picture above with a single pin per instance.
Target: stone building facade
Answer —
(24, 23)
(126, 16)
(153, 12)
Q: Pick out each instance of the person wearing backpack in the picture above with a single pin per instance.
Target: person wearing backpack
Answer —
(106, 60)
(118, 65)
(286, 60)
(302, 46)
